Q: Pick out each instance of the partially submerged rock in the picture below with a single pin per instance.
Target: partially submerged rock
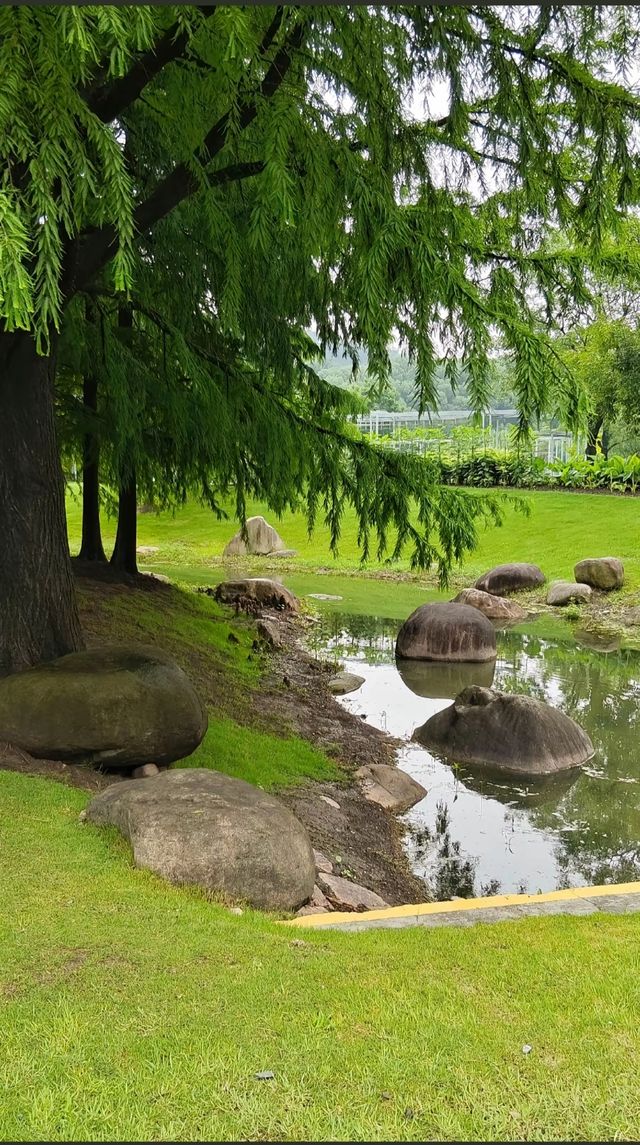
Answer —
(261, 540)
(200, 827)
(120, 706)
(512, 577)
(436, 680)
(605, 573)
(261, 590)
(512, 733)
(493, 607)
(446, 632)
(565, 591)
(348, 896)
(390, 787)
(344, 683)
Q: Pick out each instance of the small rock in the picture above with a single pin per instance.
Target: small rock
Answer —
(348, 896)
(323, 596)
(527, 1049)
(331, 802)
(265, 1075)
(390, 787)
(236, 910)
(344, 683)
(323, 864)
(268, 633)
(147, 550)
(82, 817)
(564, 591)
(385, 1096)
(147, 771)
(631, 616)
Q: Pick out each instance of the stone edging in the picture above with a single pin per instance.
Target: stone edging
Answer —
(621, 898)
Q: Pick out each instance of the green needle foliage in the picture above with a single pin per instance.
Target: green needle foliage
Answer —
(244, 175)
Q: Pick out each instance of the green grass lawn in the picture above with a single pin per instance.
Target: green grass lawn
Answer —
(132, 1010)
(562, 529)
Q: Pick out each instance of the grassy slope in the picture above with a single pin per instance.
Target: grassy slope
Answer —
(133, 1010)
(562, 528)
(195, 630)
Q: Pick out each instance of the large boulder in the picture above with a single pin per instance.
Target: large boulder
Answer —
(510, 733)
(258, 590)
(605, 573)
(121, 706)
(261, 540)
(197, 826)
(514, 577)
(446, 632)
(493, 607)
(565, 591)
(436, 680)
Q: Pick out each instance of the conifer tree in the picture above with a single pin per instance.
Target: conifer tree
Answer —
(282, 139)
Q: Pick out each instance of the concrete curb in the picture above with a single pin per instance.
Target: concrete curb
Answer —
(623, 898)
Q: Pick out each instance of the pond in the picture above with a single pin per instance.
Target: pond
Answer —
(474, 836)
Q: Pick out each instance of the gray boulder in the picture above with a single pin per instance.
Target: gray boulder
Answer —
(605, 573)
(564, 591)
(514, 577)
(262, 540)
(510, 733)
(390, 787)
(344, 683)
(200, 827)
(446, 632)
(261, 590)
(493, 607)
(121, 706)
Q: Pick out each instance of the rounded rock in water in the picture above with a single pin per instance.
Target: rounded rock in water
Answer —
(510, 733)
(447, 632)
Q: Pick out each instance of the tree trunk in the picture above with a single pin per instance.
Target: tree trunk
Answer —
(124, 556)
(91, 548)
(593, 429)
(38, 612)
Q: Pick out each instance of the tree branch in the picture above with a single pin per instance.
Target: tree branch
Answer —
(110, 99)
(94, 248)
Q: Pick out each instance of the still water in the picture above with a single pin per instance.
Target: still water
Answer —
(470, 835)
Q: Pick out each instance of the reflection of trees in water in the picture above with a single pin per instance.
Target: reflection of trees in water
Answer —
(343, 635)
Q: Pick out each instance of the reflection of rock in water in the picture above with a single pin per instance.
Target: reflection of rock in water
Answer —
(599, 641)
(438, 681)
(532, 792)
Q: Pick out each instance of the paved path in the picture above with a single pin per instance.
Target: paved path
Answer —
(621, 899)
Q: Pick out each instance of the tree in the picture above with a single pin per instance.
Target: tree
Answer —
(285, 135)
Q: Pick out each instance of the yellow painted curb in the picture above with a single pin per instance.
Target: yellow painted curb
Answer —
(415, 910)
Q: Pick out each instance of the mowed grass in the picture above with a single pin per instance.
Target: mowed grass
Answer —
(561, 529)
(259, 758)
(132, 1010)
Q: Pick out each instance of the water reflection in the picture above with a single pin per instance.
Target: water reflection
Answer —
(432, 680)
(582, 827)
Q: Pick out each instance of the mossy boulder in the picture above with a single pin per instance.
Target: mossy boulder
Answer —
(119, 706)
